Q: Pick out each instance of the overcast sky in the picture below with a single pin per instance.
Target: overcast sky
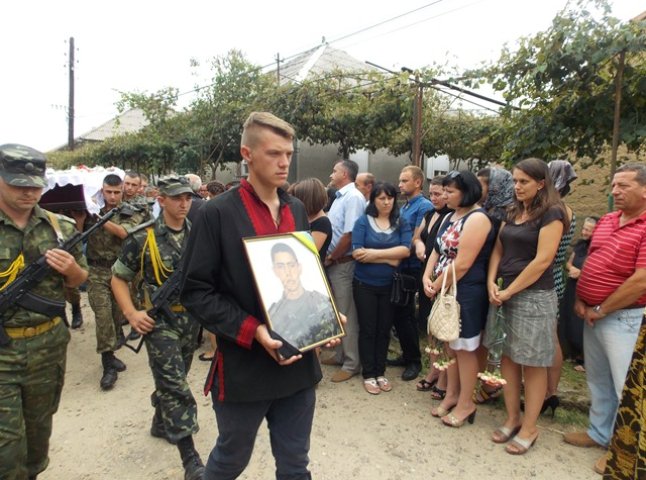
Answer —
(144, 46)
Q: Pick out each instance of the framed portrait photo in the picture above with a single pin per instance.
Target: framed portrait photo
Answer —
(294, 291)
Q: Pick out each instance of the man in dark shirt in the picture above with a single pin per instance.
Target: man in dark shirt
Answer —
(248, 381)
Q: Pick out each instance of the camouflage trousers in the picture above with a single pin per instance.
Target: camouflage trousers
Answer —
(108, 317)
(72, 295)
(170, 348)
(32, 371)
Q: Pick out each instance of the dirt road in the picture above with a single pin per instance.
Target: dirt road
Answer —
(105, 435)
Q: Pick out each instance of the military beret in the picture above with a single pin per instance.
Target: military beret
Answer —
(22, 166)
(172, 186)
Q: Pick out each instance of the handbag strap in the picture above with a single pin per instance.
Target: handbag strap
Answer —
(455, 283)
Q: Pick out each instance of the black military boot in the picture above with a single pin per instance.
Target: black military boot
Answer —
(110, 375)
(193, 466)
(118, 365)
(77, 316)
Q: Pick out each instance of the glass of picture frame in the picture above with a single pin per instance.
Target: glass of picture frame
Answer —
(294, 291)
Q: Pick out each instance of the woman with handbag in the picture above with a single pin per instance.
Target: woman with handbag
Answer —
(380, 240)
(464, 243)
(523, 256)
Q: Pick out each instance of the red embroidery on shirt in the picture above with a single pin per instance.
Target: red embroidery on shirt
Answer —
(259, 214)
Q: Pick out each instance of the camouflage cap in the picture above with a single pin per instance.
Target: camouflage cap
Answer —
(22, 166)
(172, 186)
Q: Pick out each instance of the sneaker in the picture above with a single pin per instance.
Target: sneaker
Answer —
(580, 439)
(371, 386)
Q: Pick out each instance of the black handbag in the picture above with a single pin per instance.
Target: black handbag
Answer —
(403, 289)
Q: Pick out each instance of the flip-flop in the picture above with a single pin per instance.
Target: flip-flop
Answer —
(504, 434)
(204, 358)
(520, 445)
(425, 386)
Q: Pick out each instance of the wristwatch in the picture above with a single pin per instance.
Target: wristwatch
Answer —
(597, 309)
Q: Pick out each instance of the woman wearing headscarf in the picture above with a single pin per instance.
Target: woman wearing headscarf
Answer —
(562, 174)
(497, 195)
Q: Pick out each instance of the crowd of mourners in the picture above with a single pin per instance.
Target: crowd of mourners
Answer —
(525, 304)
(528, 299)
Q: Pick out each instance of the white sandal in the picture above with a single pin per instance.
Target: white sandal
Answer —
(384, 384)
(370, 385)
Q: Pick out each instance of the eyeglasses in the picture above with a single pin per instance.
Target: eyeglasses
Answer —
(452, 175)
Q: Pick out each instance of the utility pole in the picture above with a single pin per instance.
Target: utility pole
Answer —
(278, 69)
(417, 135)
(70, 108)
(417, 118)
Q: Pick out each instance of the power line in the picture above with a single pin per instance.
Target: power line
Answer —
(384, 22)
(413, 24)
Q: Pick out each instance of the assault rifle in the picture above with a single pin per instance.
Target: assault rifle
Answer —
(18, 292)
(158, 304)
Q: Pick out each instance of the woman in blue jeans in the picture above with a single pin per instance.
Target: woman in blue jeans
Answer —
(380, 240)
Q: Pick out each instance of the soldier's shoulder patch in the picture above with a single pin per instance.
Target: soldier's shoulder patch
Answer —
(143, 226)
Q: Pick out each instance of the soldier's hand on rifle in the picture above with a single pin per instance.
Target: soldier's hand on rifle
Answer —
(141, 322)
(65, 264)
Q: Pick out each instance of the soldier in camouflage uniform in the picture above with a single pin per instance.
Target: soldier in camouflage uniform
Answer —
(32, 365)
(170, 342)
(102, 250)
(301, 317)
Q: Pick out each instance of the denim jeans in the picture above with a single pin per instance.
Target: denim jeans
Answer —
(608, 347)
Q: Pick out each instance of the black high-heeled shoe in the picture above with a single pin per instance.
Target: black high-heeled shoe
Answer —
(551, 402)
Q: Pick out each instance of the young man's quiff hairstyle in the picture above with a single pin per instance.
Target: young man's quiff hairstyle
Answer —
(415, 171)
(257, 121)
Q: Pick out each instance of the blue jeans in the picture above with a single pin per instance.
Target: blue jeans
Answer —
(289, 421)
(608, 348)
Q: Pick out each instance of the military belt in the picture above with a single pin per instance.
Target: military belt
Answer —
(28, 332)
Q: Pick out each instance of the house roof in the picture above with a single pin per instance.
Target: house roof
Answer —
(320, 60)
(129, 121)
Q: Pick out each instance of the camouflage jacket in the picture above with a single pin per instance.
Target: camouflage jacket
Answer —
(171, 246)
(102, 246)
(142, 205)
(33, 241)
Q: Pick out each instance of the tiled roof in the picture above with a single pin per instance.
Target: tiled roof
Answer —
(320, 60)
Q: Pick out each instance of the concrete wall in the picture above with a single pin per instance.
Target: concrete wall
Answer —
(317, 161)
